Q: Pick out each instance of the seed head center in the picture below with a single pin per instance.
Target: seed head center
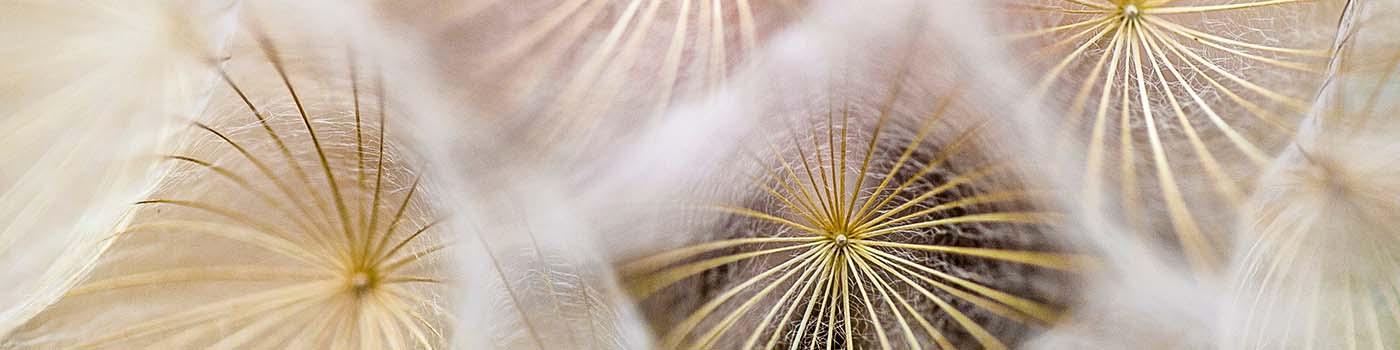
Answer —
(841, 240)
(362, 281)
(1131, 11)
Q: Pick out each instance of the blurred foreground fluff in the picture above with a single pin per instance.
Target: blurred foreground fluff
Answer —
(700, 174)
(1321, 241)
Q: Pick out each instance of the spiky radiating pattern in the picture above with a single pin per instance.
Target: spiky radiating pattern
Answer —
(1175, 103)
(287, 219)
(879, 237)
(573, 66)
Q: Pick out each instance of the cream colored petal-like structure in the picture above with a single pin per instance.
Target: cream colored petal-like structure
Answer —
(88, 90)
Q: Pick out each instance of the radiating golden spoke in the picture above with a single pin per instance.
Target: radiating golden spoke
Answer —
(412, 279)
(990, 198)
(245, 305)
(717, 44)
(1059, 68)
(822, 192)
(808, 273)
(411, 305)
(1004, 217)
(246, 185)
(263, 168)
(967, 178)
(745, 212)
(1063, 10)
(672, 63)
(1018, 306)
(243, 337)
(792, 307)
(1127, 162)
(588, 73)
(985, 338)
(1095, 154)
(402, 319)
(652, 263)
(706, 341)
(339, 199)
(1271, 61)
(391, 323)
(1224, 184)
(1092, 22)
(829, 301)
(359, 132)
(537, 32)
(823, 282)
(651, 283)
(394, 265)
(281, 147)
(827, 189)
(373, 225)
(929, 122)
(1185, 225)
(234, 273)
(870, 309)
(1214, 8)
(370, 250)
(259, 235)
(1195, 34)
(805, 198)
(839, 172)
(800, 207)
(890, 296)
(1045, 50)
(1064, 262)
(379, 258)
(1097, 5)
(1270, 94)
(845, 279)
(1254, 109)
(955, 146)
(1248, 148)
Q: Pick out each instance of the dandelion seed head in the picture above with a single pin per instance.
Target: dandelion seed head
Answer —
(1130, 11)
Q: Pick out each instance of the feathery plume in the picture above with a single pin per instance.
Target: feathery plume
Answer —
(1174, 104)
(286, 218)
(1317, 260)
(870, 220)
(87, 90)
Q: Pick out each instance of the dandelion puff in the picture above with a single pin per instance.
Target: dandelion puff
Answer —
(287, 217)
(873, 216)
(1175, 105)
(862, 240)
(89, 89)
(1317, 260)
